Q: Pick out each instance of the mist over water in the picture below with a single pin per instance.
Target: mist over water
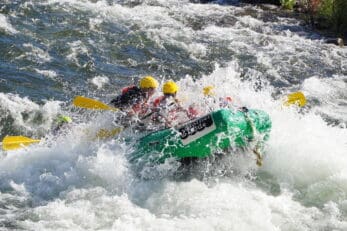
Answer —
(51, 51)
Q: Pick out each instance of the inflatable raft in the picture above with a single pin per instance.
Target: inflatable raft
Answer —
(203, 136)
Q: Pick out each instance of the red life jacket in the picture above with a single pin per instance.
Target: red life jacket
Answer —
(127, 89)
(158, 100)
(172, 109)
(225, 102)
(192, 112)
(132, 97)
(138, 108)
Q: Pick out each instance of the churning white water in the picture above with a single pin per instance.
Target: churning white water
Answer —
(75, 182)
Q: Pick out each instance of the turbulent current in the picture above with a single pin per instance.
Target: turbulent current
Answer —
(54, 50)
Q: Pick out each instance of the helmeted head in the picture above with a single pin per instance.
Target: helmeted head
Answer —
(60, 122)
(148, 82)
(170, 88)
(63, 119)
(208, 91)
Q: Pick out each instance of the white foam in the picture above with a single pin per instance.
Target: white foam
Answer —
(24, 112)
(35, 54)
(100, 81)
(48, 73)
(6, 26)
(77, 48)
(58, 163)
(302, 150)
(331, 94)
(94, 23)
(189, 205)
(250, 21)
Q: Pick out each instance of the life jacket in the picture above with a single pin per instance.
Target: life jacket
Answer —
(212, 103)
(168, 107)
(158, 101)
(129, 88)
(225, 102)
(131, 97)
(193, 112)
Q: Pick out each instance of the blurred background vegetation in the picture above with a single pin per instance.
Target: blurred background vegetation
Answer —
(322, 14)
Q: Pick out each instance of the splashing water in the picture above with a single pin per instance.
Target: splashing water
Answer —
(94, 48)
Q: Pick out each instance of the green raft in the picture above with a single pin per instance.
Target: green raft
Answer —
(204, 136)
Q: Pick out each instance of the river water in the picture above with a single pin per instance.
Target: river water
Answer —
(53, 50)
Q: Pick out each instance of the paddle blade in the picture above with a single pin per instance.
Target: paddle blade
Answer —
(104, 133)
(89, 103)
(297, 98)
(15, 142)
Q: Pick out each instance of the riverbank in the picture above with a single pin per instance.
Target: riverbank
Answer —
(327, 17)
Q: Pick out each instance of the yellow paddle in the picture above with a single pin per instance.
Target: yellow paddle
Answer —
(84, 102)
(15, 142)
(297, 98)
(104, 133)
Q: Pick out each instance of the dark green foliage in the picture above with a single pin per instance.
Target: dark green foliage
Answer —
(339, 17)
(330, 15)
(275, 2)
(288, 4)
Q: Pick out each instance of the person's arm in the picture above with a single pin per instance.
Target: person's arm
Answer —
(192, 112)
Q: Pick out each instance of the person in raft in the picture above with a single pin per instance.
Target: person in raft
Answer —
(167, 109)
(61, 123)
(134, 100)
(210, 98)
